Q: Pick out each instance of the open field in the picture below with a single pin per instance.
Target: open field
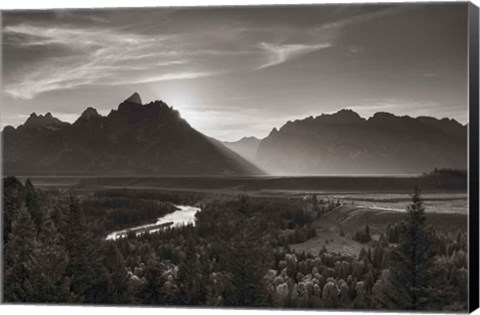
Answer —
(373, 192)
(265, 184)
(352, 218)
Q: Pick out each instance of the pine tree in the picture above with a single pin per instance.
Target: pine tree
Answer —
(315, 203)
(21, 259)
(246, 259)
(408, 283)
(50, 283)
(79, 251)
(31, 201)
(153, 291)
(192, 290)
(118, 281)
(13, 198)
(367, 237)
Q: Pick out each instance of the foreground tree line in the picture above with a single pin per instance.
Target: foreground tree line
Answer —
(237, 254)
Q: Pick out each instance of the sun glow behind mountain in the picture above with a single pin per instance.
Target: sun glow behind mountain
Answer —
(264, 66)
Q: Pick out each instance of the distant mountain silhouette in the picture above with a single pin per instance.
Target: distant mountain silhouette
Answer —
(135, 139)
(246, 147)
(345, 143)
(43, 122)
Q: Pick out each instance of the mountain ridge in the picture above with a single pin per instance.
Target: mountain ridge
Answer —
(345, 143)
(134, 139)
(338, 143)
(246, 147)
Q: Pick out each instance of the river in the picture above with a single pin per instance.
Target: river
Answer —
(183, 216)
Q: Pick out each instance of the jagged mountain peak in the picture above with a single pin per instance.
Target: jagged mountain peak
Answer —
(383, 115)
(449, 121)
(274, 131)
(134, 98)
(345, 143)
(244, 140)
(251, 138)
(132, 103)
(343, 116)
(36, 121)
(90, 112)
(135, 139)
(152, 111)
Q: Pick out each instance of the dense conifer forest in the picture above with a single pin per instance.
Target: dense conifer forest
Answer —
(237, 254)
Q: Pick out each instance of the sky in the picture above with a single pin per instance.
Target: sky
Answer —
(238, 71)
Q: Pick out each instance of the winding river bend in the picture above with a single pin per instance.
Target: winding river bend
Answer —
(183, 216)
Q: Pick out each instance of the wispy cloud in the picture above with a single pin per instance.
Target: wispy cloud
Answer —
(338, 24)
(319, 37)
(97, 53)
(95, 57)
(74, 37)
(169, 76)
(278, 54)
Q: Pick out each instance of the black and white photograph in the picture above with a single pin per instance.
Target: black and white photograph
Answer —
(303, 156)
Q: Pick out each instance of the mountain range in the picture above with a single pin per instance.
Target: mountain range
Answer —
(247, 147)
(134, 139)
(345, 143)
(153, 139)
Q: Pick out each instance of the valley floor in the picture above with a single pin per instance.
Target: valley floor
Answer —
(286, 241)
(350, 218)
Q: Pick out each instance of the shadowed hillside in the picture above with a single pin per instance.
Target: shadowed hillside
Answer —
(247, 147)
(345, 143)
(134, 139)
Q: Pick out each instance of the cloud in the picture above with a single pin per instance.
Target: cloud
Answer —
(320, 37)
(95, 56)
(169, 76)
(74, 37)
(278, 54)
(336, 25)
(94, 53)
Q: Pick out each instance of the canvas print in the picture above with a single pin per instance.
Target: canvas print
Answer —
(300, 156)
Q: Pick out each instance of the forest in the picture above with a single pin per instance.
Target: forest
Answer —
(237, 254)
